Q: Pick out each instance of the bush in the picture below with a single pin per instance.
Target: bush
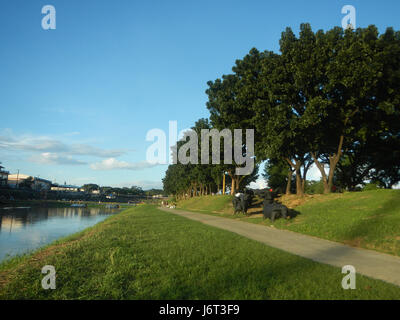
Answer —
(172, 200)
(371, 186)
(314, 187)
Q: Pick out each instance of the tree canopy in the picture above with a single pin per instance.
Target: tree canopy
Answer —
(329, 98)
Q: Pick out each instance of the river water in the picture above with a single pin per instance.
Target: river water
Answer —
(26, 229)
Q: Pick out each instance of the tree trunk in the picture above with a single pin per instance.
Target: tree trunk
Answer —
(289, 182)
(232, 183)
(333, 161)
(299, 184)
(305, 170)
(237, 182)
(320, 166)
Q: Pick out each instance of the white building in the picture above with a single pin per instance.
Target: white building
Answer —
(158, 196)
(65, 188)
(14, 180)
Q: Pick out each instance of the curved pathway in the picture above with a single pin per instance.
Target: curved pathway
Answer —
(367, 262)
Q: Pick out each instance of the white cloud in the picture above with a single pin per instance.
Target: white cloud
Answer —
(112, 163)
(260, 183)
(53, 158)
(314, 173)
(44, 144)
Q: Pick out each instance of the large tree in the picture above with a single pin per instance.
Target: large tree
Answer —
(278, 114)
(231, 102)
(327, 91)
(330, 98)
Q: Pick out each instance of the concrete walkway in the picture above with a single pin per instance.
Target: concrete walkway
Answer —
(367, 262)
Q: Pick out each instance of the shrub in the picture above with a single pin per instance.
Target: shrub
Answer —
(371, 186)
(314, 187)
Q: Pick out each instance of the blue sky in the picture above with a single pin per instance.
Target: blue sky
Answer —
(76, 102)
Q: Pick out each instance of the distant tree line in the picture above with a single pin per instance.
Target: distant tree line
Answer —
(188, 180)
(134, 190)
(328, 98)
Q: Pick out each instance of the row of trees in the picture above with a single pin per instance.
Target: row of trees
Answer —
(188, 180)
(328, 98)
(134, 190)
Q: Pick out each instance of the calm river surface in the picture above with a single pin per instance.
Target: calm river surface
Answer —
(22, 230)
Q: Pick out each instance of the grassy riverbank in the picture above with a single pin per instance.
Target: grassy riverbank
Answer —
(145, 253)
(369, 219)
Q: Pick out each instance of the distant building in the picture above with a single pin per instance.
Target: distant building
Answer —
(65, 188)
(3, 176)
(14, 180)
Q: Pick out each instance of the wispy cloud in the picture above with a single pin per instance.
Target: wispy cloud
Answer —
(112, 163)
(45, 144)
(53, 158)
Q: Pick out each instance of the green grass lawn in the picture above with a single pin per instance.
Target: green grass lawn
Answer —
(145, 253)
(220, 204)
(369, 219)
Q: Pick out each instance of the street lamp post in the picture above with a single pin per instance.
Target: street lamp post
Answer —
(223, 184)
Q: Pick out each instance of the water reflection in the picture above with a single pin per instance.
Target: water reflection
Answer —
(26, 229)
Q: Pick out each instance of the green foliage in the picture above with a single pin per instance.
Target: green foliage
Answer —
(187, 180)
(276, 174)
(371, 186)
(26, 183)
(90, 187)
(153, 192)
(314, 187)
(332, 97)
(331, 86)
(134, 190)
